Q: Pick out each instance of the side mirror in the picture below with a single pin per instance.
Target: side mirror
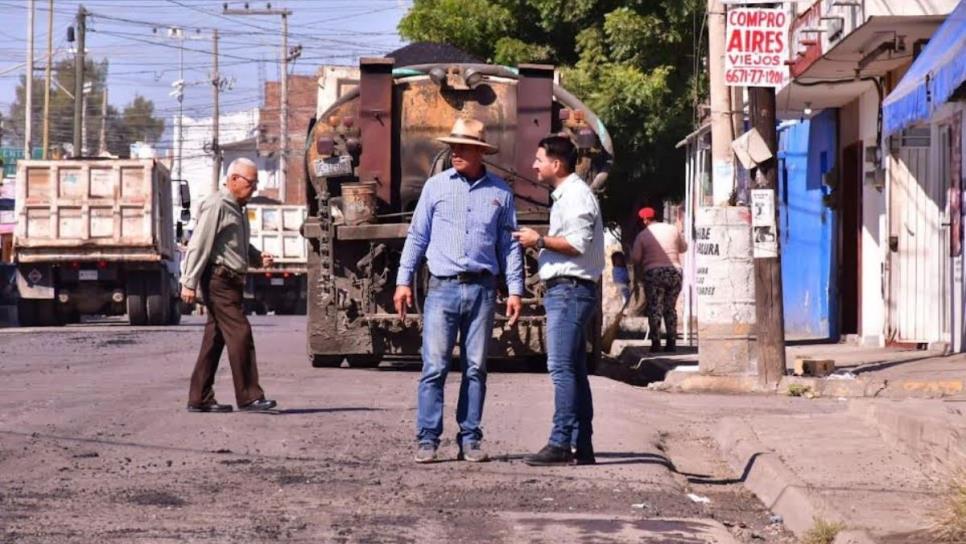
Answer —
(185, 216)
(185, 193)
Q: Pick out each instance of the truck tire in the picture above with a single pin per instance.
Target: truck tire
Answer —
(157, 294)
(27, 312)
(137, 314)
(174, 312)
(38, 313)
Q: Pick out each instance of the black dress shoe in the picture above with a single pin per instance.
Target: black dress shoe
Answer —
(210, 407)
(550, 455)
(259, 405)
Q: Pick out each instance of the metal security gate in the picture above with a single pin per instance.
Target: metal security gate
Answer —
(918, 242)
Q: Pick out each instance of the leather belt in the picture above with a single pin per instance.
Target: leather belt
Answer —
(467, 277)
(568, 280)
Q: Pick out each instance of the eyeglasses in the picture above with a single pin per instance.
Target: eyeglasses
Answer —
(250, 181)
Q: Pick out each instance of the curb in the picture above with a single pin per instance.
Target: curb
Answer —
(932, 438)
(764, 474)
(693, 382)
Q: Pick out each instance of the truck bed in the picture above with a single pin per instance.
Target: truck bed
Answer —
(93, 209)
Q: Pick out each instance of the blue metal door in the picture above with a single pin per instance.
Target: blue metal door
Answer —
(807, 155)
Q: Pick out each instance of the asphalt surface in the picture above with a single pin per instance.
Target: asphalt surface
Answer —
(96, 446)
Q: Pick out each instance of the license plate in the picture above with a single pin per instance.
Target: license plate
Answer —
(278, 281)
(333, 166)
(87, 275)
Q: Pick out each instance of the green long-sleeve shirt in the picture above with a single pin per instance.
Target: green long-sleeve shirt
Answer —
(221, 237)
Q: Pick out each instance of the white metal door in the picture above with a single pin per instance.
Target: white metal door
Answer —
(919, 275)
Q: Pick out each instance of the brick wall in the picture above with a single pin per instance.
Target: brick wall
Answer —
(302, 92)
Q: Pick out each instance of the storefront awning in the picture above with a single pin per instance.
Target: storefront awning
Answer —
(932, 78)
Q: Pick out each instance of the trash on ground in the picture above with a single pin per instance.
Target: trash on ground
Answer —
(699, 498)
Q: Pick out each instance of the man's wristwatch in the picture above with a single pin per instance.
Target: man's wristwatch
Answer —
(541, 243)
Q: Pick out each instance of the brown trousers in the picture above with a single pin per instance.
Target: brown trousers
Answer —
(222, 292)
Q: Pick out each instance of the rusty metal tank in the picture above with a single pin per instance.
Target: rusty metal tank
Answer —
(383, 137)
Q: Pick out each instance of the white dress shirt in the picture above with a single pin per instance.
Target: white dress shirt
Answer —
(575, 216)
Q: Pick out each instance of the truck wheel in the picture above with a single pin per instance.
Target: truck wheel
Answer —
(38, 313)
(136, 310)
(157, 295)
(27, 312)
(174, 312)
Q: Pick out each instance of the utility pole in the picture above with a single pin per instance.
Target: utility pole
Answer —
(102, 150)
(724, 272)
(47, 76)
(79, 79)
(216, 87)
(29, 121)
(283, 98)
(283, 122)
(722, 158)
(769, 306)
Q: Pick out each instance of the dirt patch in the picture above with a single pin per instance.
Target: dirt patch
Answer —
(154, 498)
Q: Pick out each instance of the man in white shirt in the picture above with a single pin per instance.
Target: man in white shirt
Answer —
(571, 261)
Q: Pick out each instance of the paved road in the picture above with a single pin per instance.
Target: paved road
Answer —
(95, 445)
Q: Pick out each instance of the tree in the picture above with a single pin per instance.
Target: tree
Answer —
(630, 61)
(136, 122)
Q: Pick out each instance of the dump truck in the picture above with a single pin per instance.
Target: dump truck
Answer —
(367, 158)
(97, 237)
(276, 229)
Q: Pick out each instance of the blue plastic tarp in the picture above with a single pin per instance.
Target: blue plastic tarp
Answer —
(932, 78)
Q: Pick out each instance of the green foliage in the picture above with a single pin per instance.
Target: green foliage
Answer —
(136, 122)
(631, 61)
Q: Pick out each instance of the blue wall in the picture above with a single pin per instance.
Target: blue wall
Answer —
(807, 151)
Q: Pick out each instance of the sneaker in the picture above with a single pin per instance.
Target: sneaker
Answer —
(550, 455)
(473, 453)
(426, 453)
(671, 345)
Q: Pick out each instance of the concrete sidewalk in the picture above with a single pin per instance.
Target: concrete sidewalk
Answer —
(836, 468)
(873, 451)
(860, 371)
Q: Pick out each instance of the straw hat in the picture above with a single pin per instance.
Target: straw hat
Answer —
(469, 132)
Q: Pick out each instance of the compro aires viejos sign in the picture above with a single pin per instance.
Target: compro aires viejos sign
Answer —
(756, 47)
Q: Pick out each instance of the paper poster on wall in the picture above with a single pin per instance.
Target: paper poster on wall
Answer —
(764, 231)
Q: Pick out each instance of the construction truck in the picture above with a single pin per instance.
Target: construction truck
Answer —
(367, 158)
(275, 229)
(97, 237)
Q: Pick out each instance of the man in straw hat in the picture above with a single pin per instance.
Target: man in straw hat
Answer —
(462, 225)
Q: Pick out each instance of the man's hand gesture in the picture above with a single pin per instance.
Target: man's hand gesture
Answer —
(403, 299)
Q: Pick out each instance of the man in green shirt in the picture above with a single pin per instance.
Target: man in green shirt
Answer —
(218, 256)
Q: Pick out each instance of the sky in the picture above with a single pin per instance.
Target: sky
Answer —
(133, 35)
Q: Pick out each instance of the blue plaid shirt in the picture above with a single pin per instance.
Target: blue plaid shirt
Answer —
(464, 226)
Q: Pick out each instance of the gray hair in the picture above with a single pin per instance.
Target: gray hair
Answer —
(240, 164)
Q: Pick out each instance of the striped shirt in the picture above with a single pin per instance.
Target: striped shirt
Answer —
(575, 216)
(464, 226)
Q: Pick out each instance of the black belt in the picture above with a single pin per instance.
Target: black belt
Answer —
(466, 277)
(568, 280)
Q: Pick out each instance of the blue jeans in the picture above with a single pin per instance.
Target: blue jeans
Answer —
(569, 306)
(453, 307)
